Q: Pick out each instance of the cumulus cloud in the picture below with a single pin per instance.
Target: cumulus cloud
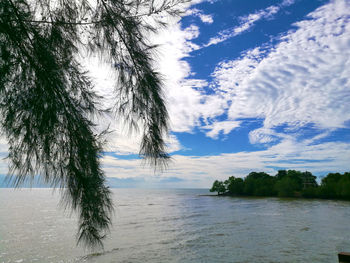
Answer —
(121, 138)
(188, 102)
(304, 80)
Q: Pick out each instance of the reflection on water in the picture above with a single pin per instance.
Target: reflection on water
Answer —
(177, 226)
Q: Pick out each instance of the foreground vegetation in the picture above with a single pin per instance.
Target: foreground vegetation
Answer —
(289, 183)
(51, 114)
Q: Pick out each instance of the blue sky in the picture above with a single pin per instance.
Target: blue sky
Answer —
(250, 86)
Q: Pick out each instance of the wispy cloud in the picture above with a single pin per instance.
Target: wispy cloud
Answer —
(247, 22)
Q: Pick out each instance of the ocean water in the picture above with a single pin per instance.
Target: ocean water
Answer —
(176, 226)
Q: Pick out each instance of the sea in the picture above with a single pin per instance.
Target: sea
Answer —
(176, 225)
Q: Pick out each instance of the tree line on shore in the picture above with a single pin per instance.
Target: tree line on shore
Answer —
(286, 183)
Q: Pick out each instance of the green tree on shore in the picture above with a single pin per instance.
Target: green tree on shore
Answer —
(219, 187)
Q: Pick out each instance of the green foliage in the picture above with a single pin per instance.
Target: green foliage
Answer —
(281, 174)
(308, 180)
(47, 101)
(336, 185)
(311, 192)
(259, 184)
(219, 187)
(289, 183)
(286, 187)
(235, 186)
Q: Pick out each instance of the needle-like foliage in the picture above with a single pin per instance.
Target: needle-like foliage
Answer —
(47, 102)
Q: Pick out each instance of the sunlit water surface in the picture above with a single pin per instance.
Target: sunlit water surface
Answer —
(177, 226)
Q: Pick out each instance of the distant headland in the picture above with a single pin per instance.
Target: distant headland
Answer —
(286, 183)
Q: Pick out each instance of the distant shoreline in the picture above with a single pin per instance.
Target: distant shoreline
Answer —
(286, 183)
(277, 197)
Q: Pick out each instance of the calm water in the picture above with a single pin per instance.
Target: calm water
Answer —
(177, 226)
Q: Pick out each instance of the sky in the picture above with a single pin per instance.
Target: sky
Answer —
(250, 86)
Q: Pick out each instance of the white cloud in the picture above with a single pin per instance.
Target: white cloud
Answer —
(221, 126)
(201, 171)
(187, 100)
(122, 139)
(262, 135)
(303, 80)
(207, 19)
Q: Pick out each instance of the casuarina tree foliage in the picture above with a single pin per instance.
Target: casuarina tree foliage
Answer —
(47, 101)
